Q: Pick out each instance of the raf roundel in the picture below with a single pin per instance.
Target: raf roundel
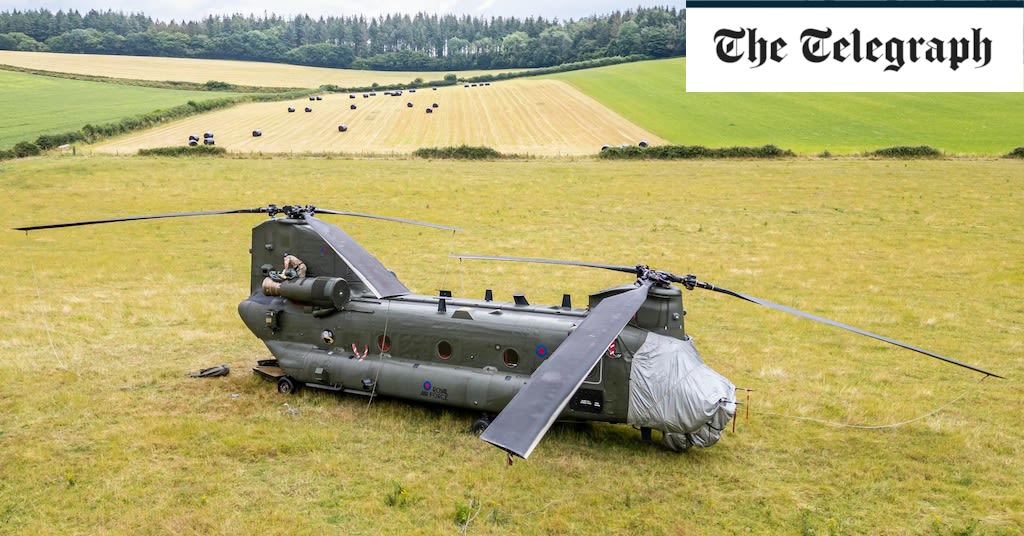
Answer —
(427, 385)
(542, 351)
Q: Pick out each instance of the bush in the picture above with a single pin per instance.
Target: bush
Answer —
(217, 85)
(462, 152)
(49, 141)
(905, 151)
(198, 150)
(676, 152)
(26, 148)
(1018, 152)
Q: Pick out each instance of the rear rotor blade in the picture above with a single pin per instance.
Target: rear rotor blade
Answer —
(840, 325)
(528, 416)
(381, 282)
(143, 217)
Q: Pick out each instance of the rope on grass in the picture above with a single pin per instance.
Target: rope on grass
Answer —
(874, 426)
(46, 323)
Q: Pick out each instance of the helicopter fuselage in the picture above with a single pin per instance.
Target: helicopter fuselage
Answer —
(473, 354)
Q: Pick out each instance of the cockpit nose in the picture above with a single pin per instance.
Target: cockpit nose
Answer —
(672, 390)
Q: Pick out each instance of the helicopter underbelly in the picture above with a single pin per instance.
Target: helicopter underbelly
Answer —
(485, 389)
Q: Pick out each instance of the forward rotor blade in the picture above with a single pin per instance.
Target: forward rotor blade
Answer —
(529, 415)
(381, 282)
(386, 218)
(143, 217)
(840, 325)
(627, 269)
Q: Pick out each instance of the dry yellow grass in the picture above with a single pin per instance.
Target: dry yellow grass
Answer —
(536, 117)
(246, 73)
(102, 432)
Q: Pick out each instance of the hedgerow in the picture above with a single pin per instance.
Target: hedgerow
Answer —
(906, 151)
(198, 150)
(462, 152)
(676, 152)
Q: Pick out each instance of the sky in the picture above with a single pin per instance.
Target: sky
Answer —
(178, 10)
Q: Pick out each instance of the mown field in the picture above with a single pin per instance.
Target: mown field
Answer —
(32, 105)
(532, 117)
(244, 73)
(645, 100)
(102, 432)
(653, 95)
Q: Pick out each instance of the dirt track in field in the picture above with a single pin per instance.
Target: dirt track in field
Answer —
(533, 117)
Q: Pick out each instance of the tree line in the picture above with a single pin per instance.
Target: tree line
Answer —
(391, 42)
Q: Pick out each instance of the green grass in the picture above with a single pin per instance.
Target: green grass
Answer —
(32, 105)
(102, 432)
(653, 95)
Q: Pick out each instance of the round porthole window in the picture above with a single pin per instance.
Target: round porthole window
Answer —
(510, 357)
(384, 343)
(444, 350)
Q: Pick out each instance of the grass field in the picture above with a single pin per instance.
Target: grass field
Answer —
(515, 117)
(102, 432)
(34, 105)
(650, 95)
(245, 73)
(653, 95)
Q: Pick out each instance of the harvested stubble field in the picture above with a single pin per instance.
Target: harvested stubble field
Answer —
(535, 117)
(244, 73)
(102, 432)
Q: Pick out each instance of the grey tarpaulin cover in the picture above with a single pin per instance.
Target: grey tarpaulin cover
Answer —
(672, 390)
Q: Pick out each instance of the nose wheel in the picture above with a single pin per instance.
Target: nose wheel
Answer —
(285, 385)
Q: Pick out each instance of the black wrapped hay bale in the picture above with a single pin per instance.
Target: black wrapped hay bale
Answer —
(408, 105)
(433, 105)
(257, 133)
(291, 109)
(308, 109)
(430, 110)
(643, 143)
(342, 127)
(352, 107)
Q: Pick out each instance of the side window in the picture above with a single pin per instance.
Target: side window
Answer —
(444, 350)
(510, 357)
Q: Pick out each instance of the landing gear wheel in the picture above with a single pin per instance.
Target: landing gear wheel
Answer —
(285, 385)
(479, 425)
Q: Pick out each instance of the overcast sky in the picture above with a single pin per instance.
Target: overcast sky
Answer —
(178, 10)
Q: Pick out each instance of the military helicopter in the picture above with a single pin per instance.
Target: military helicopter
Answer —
(335, 318)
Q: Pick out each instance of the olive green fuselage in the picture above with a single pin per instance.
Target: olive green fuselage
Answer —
(467, 353)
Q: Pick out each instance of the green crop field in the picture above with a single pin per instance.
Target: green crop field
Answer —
(32, 105)
(102, 432)
(653, 95)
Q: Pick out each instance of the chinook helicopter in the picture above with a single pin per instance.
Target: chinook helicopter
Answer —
(335, 318)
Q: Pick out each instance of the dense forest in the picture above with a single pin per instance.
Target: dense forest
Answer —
(393, 42)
